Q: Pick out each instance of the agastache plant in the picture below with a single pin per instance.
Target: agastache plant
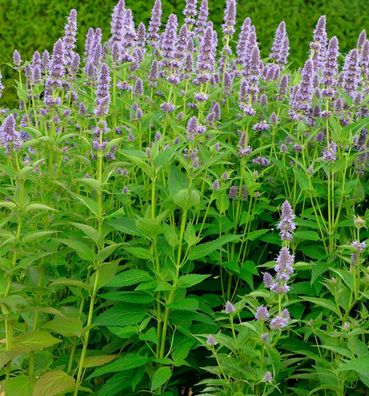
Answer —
(139, 188)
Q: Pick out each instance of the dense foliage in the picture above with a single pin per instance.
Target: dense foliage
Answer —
(36, 24)
(179, 216)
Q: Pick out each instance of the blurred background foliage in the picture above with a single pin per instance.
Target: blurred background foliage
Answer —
(35, 24)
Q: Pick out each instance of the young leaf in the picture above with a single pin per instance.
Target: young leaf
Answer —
(160, 377)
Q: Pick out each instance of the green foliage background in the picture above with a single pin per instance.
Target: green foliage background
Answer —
(35, 24)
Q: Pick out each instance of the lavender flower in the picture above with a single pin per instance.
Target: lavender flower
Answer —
(268, 377)
(361, 39)
(211, 340)
(9, 137)
(190, 12)
(102, 92)
(351, 73)
(280, 321)
(155, 22)
(262, 313)
(117, 22)
(202, 18)
(69, 40)
(229, 18)
(318, 46)
(330, 153)
(280, 46)
(229, 308)
(330, 70)
(168, 42)
(233, 192)
(286, 225)
(261, 126)
(17, 58)
(205, 62)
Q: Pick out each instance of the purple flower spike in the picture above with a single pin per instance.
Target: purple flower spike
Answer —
(330, 70)
(138, 88)
(280, 46)
(364, 60)
(102, 92)
(9, 137)
(286, 225)
(278, 323)
(262, 313)
(45, 61)
(190, 11)
(17, 58)
(141, 35)
(155, 22)
(318, 46)
(361, 39)
(284, 265)
(268, 377)
(117, 22)
(57, 64)
(202, 18)
(206, 61)
(69, 40)
(243, 39)
(169, 41)
(229, 18)
(330, 154)
(351, 73)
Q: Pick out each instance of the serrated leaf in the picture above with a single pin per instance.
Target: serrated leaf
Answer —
(83, 250)
(190, 280)
(87, 230)
(54, 383)
(160, 377)
(94, 361)
(66, 326)
(207, 248)
(129, 278)
(127, 362)
(21, 385)
(33, 341)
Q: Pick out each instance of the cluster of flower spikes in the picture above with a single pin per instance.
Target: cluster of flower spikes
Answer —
(283, 270)
(189, 52)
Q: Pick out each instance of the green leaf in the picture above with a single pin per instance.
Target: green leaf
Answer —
(54, 383)
(160, 377)
(251, 236)
(88, 202)
(106, 273)
(127, 362)
(177, 181)
(222, 202)
(122, 315)
(21, 385)
(190, 280)
(87, 230)
(324, 303)
(125, 225)
(307, 235)
(116, 384)
(33, 341)
(130, 278)
(66, 326)
(207, 248)
(32, 236)
(94, 361)
(83, 250)
(359, 365)
(139, 252)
